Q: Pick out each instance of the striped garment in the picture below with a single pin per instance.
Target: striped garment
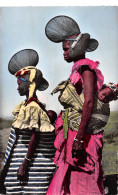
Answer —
(41, 168)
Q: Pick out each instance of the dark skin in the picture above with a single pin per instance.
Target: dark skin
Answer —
(52, 116)
(23, 169)
(66, 47)
(23, 88)
(106, 95)
(89, 85)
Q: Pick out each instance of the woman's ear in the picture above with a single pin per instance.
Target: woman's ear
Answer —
(80, 47)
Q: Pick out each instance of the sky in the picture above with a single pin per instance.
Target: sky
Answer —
(24, 28)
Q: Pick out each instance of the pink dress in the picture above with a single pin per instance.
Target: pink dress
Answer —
(82, 176)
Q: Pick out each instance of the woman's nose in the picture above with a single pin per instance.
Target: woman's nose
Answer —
(64, 53)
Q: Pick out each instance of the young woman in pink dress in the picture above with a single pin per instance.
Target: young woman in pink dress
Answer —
(79, 152)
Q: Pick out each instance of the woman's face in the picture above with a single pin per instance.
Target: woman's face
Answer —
(106, 95)
(71, 55)
(66, 48)
(23, 85)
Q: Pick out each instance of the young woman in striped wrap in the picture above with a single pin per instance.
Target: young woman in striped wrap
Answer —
(29, 156)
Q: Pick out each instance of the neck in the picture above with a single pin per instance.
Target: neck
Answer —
(34, 95)
(80, 57)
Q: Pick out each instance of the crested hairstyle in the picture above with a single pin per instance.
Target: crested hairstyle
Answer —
(21, 59)
(24, 62)
(61, 28)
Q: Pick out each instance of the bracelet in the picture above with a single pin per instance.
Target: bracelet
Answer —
(76, 140)
(27, 158)
(81, 141)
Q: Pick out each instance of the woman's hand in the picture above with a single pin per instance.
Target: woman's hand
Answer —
(22, 171)
(77, 144)
(88, 85)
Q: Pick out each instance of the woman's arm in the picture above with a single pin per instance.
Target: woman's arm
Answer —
(22, 171)
(88, 84)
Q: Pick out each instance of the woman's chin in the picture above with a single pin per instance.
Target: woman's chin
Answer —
(67, 60)
(21, 94)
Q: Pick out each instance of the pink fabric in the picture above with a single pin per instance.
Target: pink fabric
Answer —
(70, 181)
(76, 76)
(82, 183)
(82, 176)
(57, 184)
(88, 171)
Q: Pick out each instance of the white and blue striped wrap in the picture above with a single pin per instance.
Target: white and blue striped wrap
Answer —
(40, 169)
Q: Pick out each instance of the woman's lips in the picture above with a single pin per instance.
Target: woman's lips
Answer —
(65, 57)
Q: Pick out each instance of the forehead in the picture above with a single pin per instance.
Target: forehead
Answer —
(107, 90)
(25, 76)
(66, 44)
